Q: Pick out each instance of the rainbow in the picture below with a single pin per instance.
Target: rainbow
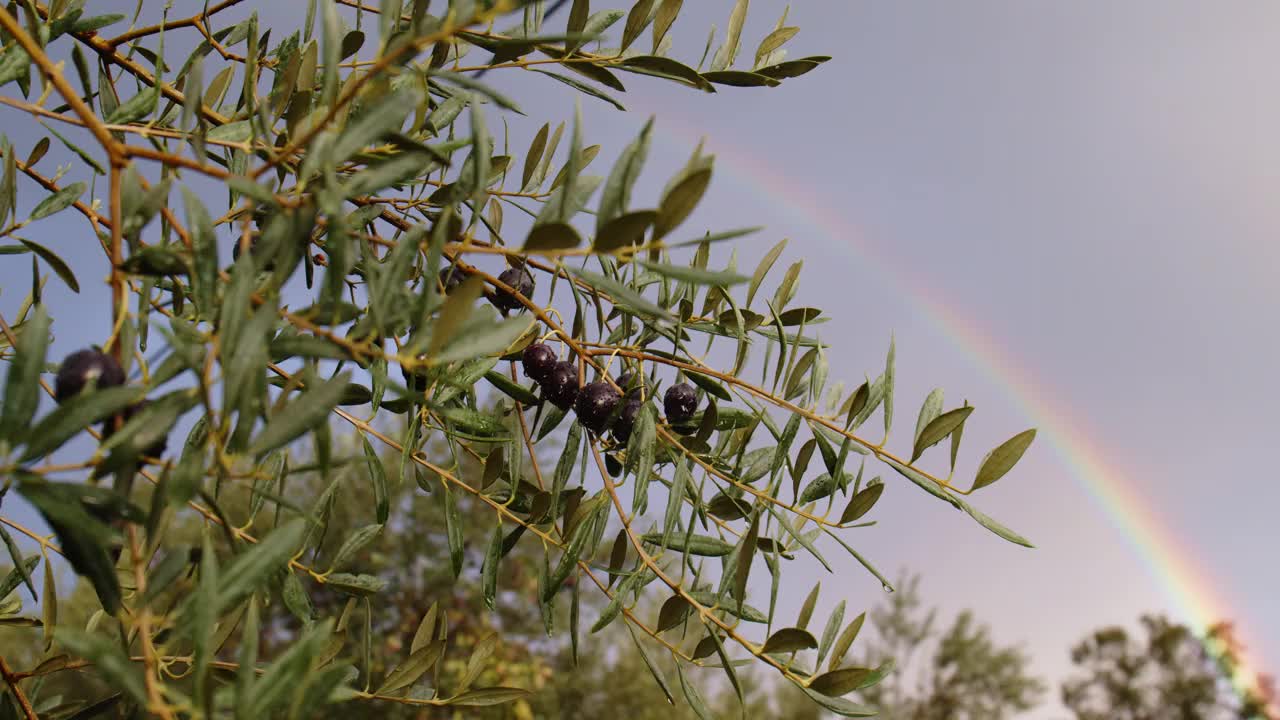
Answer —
(1189, 588)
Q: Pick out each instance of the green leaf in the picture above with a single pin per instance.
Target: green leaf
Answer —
(740, 78)
(648, 663)
(617, 189)
(662, 22)
(457, 308)
(786, 289)
(924, 483)
(414, 667)
(474, 422)
(234, 132)
(121, 673)
(991, 524)
(14, 64)
(821, 487)
(743, 612)
(76, 414)
(666, 68)
(204, 276)
(136, 108)
(453, 529)
(792, 68)
(841, 682)
(674, 610)
(929, 410)
(746, 552)
(697, 276)
(623, 295)
(641, 451)
(57, 263)
(551, 236)
(694, 545)
(789, 640)
(480, 655)
(354, 543)
(22, 383)
(251, 568)
(583, 87)
(359, 585)
(385, 116)
(841, 706)
(955, 444)
(679, 202)
(773, 41)
(709, 386)
(533, 157)
(889, 374)
(806, 610)
(829, 632)
(625, 230)
(861, 503)
(766, 263)
(301, 415)
(489, 572)
(296, 598)
(206, 616)
(846, 641)
(426, 629)
(84, 540)
(725, 56)
(57, 202)
(511, 388)
(696, 702)
(18, 575)
(1001, 460)
(484, 697)
(938, 429)
(378, 474)
(596, 25)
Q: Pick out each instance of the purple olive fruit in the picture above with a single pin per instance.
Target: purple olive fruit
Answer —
(84, 367)
(538, 360)
(519, 280)
(561, 385)
(595, 405)
(680, 402)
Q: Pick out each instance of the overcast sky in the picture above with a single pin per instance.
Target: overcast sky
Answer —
(1090, 186)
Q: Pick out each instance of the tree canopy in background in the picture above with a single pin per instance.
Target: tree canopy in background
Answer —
(422, 356)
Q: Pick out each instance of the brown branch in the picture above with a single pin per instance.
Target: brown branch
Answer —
(108, 53)
(51, 72)
(171, 25)
(12, 682)
(142, 620)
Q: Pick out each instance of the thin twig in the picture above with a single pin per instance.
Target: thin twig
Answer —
(12, 682)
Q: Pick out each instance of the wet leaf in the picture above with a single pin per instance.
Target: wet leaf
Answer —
(861, 503)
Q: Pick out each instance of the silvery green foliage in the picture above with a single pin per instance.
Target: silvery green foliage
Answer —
(393, 255)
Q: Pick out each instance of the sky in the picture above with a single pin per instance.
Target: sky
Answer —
(1064, 214)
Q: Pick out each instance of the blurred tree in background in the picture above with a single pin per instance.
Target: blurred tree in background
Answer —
(1173, 673)
(955, 672)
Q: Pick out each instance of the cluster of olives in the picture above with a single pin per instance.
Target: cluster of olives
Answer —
(93, 368)
(596, 404)
(519, 279)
